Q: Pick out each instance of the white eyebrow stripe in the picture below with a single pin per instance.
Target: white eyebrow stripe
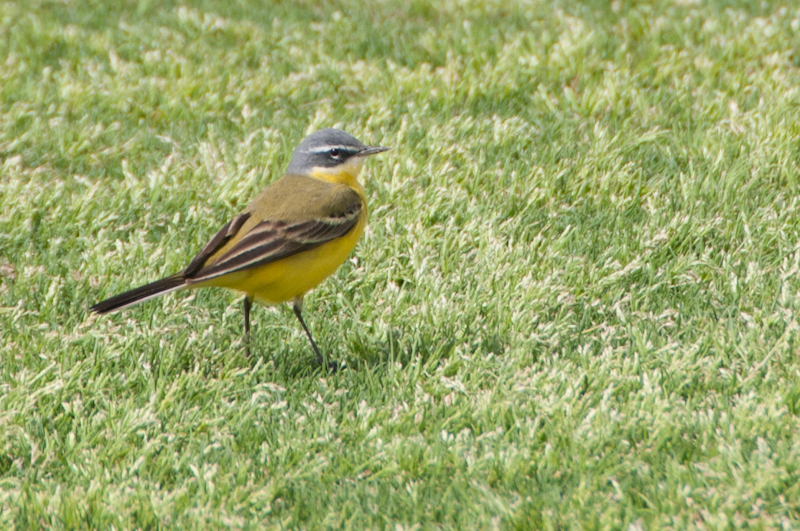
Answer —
(325, 149)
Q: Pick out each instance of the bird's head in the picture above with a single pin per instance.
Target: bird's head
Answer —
(331, 155)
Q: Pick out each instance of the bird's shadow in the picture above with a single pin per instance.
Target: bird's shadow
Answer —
(398, 348)
(359, 353)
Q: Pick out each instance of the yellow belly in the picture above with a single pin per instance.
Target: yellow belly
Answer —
(292, 277)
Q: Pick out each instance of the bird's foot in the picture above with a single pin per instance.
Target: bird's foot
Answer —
(331, 367)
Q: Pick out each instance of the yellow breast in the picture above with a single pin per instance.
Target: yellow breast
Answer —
(295, 275)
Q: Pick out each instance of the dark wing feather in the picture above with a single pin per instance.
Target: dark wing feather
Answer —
(270, 241)
(216, 243)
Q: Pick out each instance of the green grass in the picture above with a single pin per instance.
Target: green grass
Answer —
(575, 307)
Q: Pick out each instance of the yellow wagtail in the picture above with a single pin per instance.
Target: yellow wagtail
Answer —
(295, 233)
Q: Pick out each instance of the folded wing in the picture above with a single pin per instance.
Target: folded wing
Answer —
(272, 240)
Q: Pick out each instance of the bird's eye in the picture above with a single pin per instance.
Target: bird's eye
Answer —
(336, 153)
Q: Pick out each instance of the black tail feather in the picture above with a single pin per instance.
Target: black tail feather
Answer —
(142, 293)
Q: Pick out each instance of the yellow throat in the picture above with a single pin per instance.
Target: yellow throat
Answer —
(346, 174)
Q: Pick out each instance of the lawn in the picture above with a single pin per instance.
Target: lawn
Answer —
(575, 307)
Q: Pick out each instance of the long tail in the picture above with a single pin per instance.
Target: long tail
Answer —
(141, 294)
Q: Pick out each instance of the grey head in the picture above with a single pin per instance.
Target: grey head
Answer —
(328, 148)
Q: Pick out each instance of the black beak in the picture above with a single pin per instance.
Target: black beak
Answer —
(374, 150)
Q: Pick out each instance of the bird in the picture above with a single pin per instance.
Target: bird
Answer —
(290, 238)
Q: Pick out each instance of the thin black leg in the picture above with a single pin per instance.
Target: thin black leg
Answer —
(299, 313)
(247, 304)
